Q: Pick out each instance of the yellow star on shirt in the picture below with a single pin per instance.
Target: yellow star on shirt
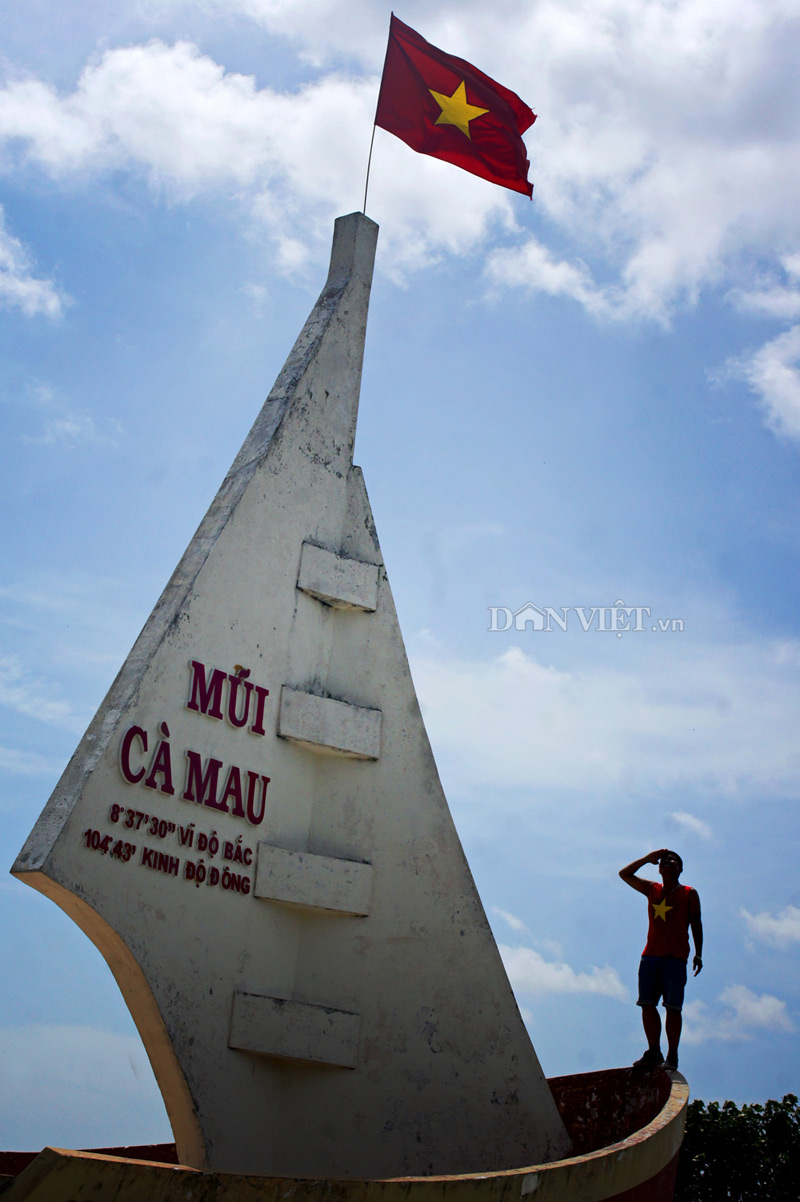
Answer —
(456, 109)
(660, 910)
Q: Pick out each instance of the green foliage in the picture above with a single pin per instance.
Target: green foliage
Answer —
(741, 1155)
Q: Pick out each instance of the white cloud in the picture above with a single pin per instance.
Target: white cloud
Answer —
(515, 923)
(529, 972)
(780, 929)
(27, 763)
(316, 26)
(772, 295)
(657, 141)
(19, 287)
(534, 267)
(168, 108)
(32, 696)
(664, 150)
(738, 1014)
(691, 823)
(773, 375)
(293, 159)
(719, 718)
(777, 301)
(663, 155)
(66, 426)
(665, 139)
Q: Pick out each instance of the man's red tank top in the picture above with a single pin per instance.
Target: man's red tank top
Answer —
(668, 931)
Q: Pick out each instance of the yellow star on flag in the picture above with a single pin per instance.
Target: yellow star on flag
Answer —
(660, 910)
(456, 109)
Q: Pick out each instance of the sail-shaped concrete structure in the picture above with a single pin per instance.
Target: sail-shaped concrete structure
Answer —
(253, 831)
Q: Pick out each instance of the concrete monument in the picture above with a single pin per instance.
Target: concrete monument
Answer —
(253, 833)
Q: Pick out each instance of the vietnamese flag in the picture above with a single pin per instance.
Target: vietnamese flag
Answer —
(441, 105)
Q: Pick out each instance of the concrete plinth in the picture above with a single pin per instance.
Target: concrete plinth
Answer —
(627, 1125)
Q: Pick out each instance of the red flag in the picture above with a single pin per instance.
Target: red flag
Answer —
(441, 105)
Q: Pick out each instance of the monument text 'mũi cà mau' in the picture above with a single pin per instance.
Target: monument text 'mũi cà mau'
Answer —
(253, 833)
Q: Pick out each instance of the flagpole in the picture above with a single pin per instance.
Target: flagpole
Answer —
(374, 123)
(369, 160)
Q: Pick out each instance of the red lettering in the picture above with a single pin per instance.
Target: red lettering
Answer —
(233, 789)
(252, 779)
(166, 863)
(162, 762)
(235, 683)
(206, 694)
(202, 787)
(133, 732)
(258, 721)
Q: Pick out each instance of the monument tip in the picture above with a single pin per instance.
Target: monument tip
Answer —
(355, 238)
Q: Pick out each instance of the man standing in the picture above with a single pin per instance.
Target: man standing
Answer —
(673, 909)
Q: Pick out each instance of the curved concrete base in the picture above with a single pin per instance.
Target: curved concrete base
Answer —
(626, 1126)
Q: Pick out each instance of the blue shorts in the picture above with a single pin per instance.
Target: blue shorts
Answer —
(661, 976)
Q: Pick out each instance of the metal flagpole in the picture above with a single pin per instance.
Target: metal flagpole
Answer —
(377, 106)
(369, 160)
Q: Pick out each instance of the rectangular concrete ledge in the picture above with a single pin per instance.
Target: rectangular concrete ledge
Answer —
(338, 581)
(329, 726)
(320, 882)
(271, 1026)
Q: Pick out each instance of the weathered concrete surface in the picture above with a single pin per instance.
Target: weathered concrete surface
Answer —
(319, 882)
(639, 1168)
(329, 726)
(222, 732)
(294, 1030)
(341, 582)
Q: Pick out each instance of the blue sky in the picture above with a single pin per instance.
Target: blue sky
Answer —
(587, 399)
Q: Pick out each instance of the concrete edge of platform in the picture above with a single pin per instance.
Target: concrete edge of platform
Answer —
(607, 1173)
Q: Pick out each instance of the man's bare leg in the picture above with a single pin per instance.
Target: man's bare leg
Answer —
(651, 1021)
(674, 1025)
